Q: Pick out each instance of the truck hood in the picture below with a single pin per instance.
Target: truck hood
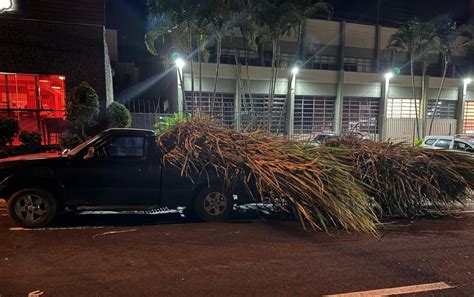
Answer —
(32, 157)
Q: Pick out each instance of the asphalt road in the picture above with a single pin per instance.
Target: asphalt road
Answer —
(117, 255)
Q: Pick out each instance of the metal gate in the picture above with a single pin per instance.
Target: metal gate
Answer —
(255, 115)
(223, 106)
(313, 114)
(360, 114)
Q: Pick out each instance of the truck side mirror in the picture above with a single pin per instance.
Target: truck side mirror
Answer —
(90, 153)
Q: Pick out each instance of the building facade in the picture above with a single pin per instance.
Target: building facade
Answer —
(46, 48)
(340, 87)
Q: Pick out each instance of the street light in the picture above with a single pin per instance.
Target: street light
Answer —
(389, 75)
(295, 70)
(179, 63)
(467, 81)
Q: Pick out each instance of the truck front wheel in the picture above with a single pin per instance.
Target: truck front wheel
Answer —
(213, 204)
(32, 208)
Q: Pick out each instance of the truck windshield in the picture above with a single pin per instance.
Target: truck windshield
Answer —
(79, 148)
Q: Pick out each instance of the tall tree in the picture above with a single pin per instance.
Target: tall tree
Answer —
(174, 18)
(450, 38)
(415, 38)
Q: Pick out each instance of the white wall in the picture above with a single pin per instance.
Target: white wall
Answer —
(360, 36)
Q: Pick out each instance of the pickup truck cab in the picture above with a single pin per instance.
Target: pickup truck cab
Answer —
(119, 169)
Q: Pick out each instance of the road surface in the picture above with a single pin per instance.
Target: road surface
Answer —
(117, 255)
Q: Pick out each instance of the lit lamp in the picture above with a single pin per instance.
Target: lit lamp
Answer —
(179, 63)
(295, 70)
(389, 75)
(5, 5)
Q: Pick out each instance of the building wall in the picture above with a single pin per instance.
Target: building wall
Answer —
(88, 12)
(78, 52)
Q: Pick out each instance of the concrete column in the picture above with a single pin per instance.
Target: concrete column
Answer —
(377, 48)
(237, 106)
(382, 120)
(460, 109)
(337, 125)
(342, 46)
(424, 105)
(290, 107)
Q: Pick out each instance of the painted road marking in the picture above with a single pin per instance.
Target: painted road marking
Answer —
(397, 291)
(58, 228)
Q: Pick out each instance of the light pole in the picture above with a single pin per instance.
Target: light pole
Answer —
(179, 62)
(383, 105)
(290, 106)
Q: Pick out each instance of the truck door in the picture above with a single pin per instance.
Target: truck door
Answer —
(119, 173)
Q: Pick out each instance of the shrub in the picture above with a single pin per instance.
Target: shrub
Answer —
(70, 140)
(166, 123)
(82, 108)
(8, 129)
(118, 116)
(31, 140)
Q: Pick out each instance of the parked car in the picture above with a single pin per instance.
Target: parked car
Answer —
(447, 143)
(322, 137)
(119, 169)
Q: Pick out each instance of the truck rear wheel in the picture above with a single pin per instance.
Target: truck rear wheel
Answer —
(32, 208)
(213, 204)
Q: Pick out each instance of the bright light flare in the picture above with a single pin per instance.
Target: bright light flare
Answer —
(467, 81)
(295, 70)
(179, 63)
(389, 75)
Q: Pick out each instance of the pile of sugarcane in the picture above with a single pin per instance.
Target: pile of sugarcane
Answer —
(348, 185)
(407, 181)
(321, 192)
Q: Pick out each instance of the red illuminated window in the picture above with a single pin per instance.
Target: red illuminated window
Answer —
(36, 101)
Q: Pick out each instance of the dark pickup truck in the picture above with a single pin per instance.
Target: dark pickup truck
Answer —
(119, 170)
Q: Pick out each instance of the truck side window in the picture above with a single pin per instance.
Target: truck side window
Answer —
(443, 143)
(458, 145)
(126, 146)
(430, 141)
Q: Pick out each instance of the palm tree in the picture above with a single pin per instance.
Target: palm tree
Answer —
(274, 19)
(175, 18)
(450, 38)
(415, 38)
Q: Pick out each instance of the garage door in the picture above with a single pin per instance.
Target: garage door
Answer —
(313, 114)
(360, 114)
(468, 126)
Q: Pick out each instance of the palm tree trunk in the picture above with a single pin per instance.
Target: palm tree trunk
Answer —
(272, 87)
(439, 95)
(218, 63)
(252, 104)
(200, 78)
(416, 130)
(190, 47)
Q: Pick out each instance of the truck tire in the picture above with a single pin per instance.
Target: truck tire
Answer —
(31, 208)
(213, 204)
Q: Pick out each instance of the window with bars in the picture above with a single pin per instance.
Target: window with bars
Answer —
(223, 106)
(402, 108)
(313, 114)
(360, 114)
(255, 113)
(468, 126)
(324, 62)
(357, 64)
(446, 109)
